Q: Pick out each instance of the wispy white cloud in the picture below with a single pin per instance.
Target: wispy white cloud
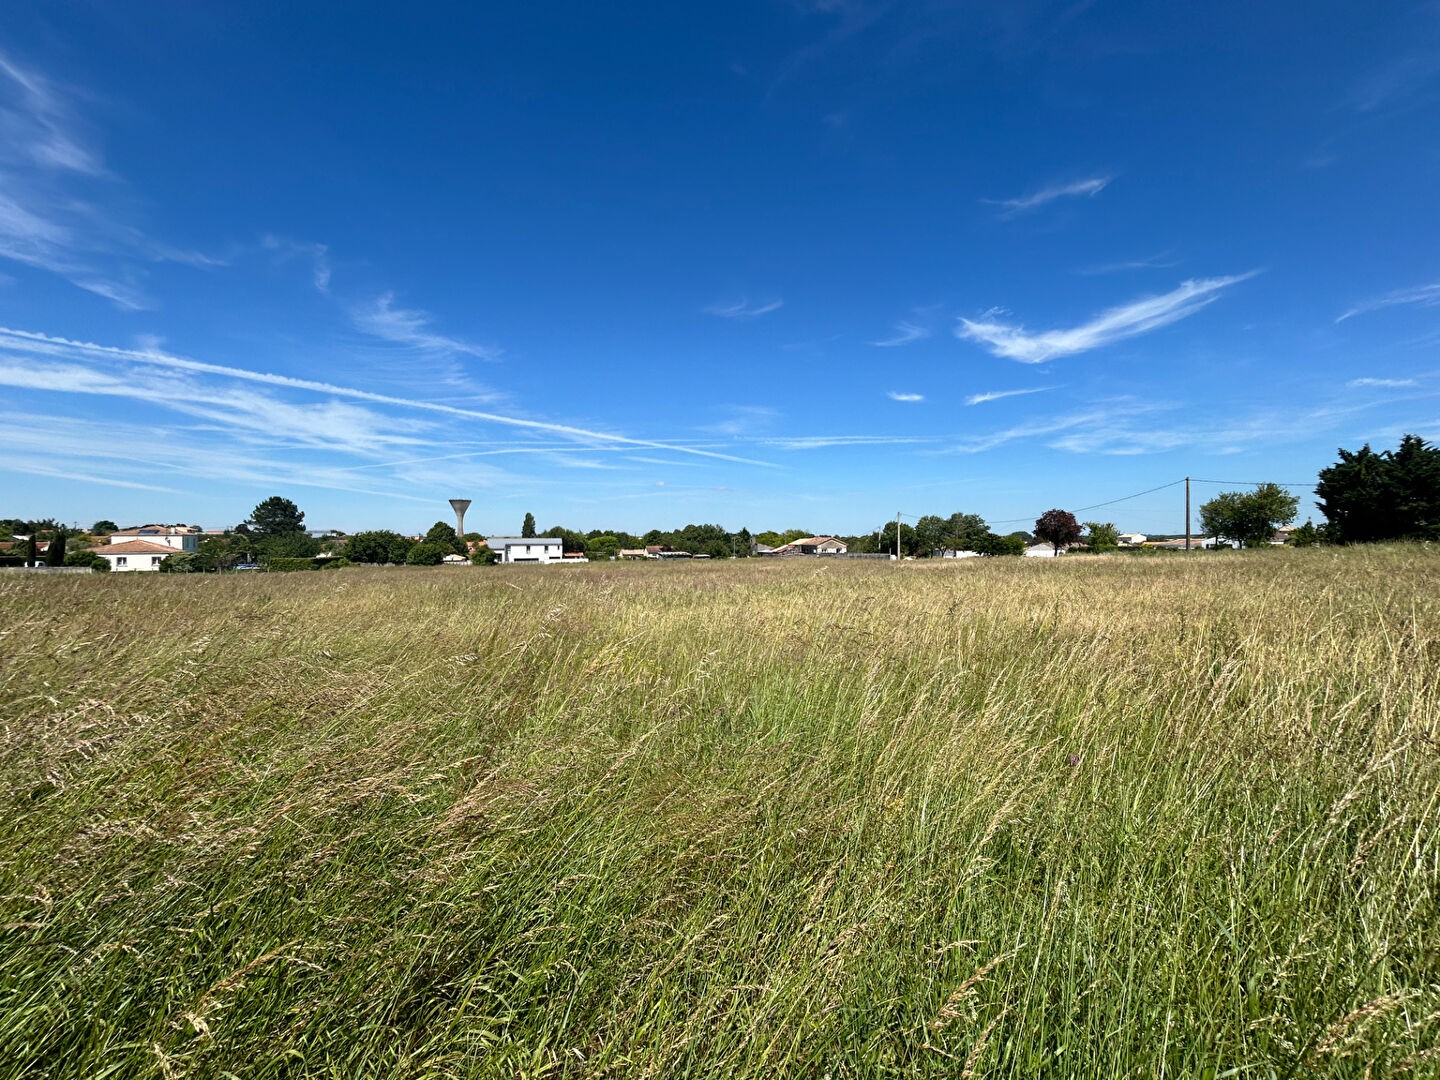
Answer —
(1088, 188)
(905, 333)
(1421, 296)
(29, 467)
(996, 395)
(742, 420)
(823, 442)
(1383, 384)
(76, 447)
(899, 395)
(42, 128)
(410, 327)
(1398, 81)
(1102, 417)
(1131, 426)
(1152, 262)
(317, 254)
(28, 342)
(744, 309)
(56, 210)
(665, 461)
(1128, 320)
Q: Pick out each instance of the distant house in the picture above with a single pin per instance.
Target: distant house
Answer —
(145, 547)
(813, 545)
(633, 553)
(948, 553)
(1043, 551)
(1197, 543)
(452, 560)
(1132, 539)
(764, 549)
(527, 549)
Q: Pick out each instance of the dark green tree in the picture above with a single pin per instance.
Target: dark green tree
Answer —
(426, 554)
(104, 527)
(932, 533)
(527, 529)
(1102, 536)
(276, 516)
(295, 545)
(1393, 495)
(602, 548)
(1058, 528)
(909, 544)
(965, 531)
(55, 553)
(444, 535)
(378, 546)
(1249, 516)
(990, 544)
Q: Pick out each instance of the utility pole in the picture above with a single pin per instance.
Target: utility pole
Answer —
(1187, 513)
(897, 535)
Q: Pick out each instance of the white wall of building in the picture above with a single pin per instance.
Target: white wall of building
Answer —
(536, 549)
(130, 562)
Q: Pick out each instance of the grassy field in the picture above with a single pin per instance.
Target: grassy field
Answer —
(1097, 817)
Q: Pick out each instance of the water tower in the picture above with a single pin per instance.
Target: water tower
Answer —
(460, 506)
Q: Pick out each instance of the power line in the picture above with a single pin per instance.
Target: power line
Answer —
(1254, 483)
(1126, 498)
(1111, 502)
(1139, 494)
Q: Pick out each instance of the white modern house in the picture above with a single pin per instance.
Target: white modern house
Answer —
(527, 549)
(145, 547)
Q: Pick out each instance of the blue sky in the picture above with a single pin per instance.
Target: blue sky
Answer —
(767, 264)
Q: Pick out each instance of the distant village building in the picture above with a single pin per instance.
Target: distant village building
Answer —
(527, 549)
(813, 545)
(1044, 551)
(144, 548)
(1132, 539)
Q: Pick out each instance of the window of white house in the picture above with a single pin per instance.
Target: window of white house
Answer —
(120, 560)
(155, 560)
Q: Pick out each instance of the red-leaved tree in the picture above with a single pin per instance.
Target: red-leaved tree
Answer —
(1057, 528)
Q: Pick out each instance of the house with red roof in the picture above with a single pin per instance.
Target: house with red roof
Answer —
(145, 547)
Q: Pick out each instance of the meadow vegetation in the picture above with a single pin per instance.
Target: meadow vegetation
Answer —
(1002, 817)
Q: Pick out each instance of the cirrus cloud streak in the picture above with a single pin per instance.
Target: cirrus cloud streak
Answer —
(1013, 342)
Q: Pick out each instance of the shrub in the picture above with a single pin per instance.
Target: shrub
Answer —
(426, 553)
(183, 563)
(283, 565)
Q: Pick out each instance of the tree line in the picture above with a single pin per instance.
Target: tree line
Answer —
(1365, 496)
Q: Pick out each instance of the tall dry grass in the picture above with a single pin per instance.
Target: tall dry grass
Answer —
(1096, 817)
